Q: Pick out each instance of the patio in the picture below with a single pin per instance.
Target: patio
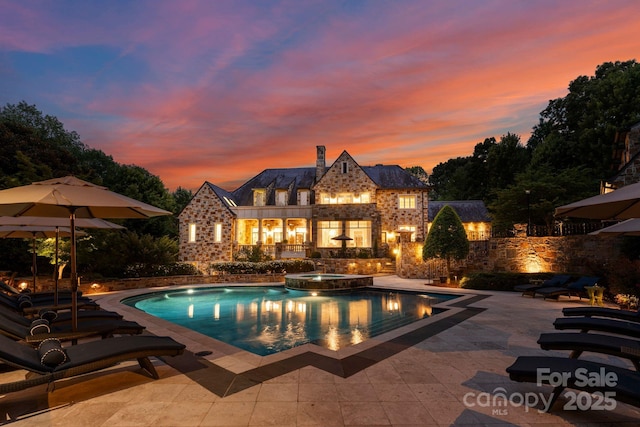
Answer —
(441, 378)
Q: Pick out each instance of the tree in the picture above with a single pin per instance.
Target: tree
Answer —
(579, 129)
(547, 190)
(504, 160)
(463, 178)
(182, 197)
(419, 173)
(447, 238)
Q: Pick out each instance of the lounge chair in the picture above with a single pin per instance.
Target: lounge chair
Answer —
(586, 324)
(38, 331)
(83, 358)
(27, 305)
(7, 285)
(614, 313)
(530, 288)
(527, 369)
(576, 288)
(579, 342)
(59, 317)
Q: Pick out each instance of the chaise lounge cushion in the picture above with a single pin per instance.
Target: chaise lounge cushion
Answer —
(527, 369)
(555, 281)
(607, 312)
(579, 342)
(612, 326)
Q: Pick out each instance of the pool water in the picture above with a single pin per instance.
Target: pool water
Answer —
(267, 320)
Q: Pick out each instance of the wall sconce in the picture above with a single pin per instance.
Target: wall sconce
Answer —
(23, 286)
(95, 286)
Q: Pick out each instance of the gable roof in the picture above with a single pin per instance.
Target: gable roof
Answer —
(467, 210)
(392, 177)
(225, 197)
(284, 179)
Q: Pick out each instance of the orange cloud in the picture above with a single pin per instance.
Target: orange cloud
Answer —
(219, 91)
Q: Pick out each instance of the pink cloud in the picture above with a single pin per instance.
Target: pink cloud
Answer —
(232, 88)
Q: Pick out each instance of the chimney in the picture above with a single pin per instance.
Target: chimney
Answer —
(320, 164)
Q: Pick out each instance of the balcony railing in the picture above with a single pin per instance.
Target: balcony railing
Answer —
(560, 229)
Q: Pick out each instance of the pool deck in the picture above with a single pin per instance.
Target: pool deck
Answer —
(437, 372)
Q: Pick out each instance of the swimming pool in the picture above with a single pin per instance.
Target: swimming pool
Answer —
(267, 320)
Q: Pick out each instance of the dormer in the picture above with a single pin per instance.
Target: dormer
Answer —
(259, 197)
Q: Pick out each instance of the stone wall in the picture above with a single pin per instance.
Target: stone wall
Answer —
(350, 265)
(48, 285)
(575, 254)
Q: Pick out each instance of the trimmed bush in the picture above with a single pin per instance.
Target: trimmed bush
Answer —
(266, 267)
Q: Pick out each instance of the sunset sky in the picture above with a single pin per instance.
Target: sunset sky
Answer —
(221, 90)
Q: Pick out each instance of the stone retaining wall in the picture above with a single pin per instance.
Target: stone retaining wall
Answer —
(98, 286)
(575, 254)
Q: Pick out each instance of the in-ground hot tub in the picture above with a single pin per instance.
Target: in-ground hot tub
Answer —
(319, 282)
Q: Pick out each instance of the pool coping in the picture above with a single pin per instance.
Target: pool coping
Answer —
(225, 369)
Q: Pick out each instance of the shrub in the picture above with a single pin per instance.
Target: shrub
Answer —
(279, 266)
(499, 281)
(173, 269)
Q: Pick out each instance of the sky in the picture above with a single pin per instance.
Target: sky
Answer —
(218, 91)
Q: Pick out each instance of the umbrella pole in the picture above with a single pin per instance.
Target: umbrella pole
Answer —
(34, 266)
(55, 269)
(74, 272)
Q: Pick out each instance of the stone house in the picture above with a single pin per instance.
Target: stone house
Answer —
(292, 213)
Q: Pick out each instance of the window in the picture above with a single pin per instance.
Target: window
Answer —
(192, 232)
(327, 230)
(360, 232)
(344, 198)
(406, 202)
(229, 201)
(259, 198)
(411, 228)
(217, 235)
(304, 197)
(281, 197)
(345, 167)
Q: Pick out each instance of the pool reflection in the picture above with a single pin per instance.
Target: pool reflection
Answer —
(269, 322)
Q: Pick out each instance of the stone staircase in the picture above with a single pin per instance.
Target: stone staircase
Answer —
(388, 267)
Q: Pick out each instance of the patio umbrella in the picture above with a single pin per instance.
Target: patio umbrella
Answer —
(623, 203)
(630, 227)
(72, 198)
(47, 222)
(342, 238)
(34, 232)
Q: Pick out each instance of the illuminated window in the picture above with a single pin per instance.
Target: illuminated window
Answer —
(217, 235)
(192, 232)
(229, 201)
(406, 202)
(360, 232)
(411, 228)
(343, 198)
(281, 197)
(327, 230)
(259, 197)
